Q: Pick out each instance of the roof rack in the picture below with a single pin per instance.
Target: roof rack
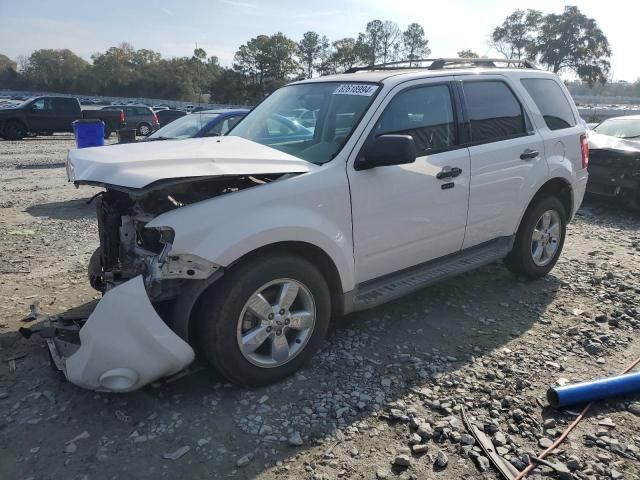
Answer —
(446, 63)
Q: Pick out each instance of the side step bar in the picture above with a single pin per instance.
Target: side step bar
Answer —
(381, 290)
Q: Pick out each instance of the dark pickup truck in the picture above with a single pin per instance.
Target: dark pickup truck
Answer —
(46, 115)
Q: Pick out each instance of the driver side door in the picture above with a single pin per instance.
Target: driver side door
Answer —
(404, 215)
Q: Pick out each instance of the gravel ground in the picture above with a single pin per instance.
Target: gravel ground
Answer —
(382, 399)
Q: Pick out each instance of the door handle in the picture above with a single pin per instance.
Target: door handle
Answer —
(529, 154)
(448, 172)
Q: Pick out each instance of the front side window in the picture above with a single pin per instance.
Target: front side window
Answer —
(339, 108)
(38, 105)
(425, 113)
(551, 101)
(494, 111)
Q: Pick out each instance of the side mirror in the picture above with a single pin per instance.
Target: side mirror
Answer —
(387, 150)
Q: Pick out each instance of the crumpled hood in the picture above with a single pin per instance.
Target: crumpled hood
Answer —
(597, 141)
(136, 165)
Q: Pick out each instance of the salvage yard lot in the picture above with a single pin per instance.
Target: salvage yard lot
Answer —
(485, 341)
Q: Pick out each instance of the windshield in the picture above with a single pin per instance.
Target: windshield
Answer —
(184, 127)
(338, 109)
(620, 127)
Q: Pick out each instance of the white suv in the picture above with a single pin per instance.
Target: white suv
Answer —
(243, 247)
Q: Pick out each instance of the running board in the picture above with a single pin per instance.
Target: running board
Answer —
(381, 290)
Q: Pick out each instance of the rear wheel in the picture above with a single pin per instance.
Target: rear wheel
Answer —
(265, 319)
(539, 240)
(144, 129)
(14, 130)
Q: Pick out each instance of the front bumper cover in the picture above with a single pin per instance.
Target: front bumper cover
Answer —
(124, 344)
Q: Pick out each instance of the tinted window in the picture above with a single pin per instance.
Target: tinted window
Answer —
(551, 101)
(425, 113)
(143, 111)
(494, 111)
(65, 105)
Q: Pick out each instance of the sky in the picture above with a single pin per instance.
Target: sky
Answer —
(174, 27)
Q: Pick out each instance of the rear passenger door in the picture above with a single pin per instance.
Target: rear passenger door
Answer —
(507, 157)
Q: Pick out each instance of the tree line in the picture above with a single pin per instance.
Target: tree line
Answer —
(565, 42)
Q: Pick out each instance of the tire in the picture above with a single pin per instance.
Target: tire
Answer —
(14, 130)
(526, 258)
(224, 319)
(144, 129)
(94, 271)
(107, 131)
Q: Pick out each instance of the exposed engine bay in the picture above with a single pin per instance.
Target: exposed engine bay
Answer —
(128, 249)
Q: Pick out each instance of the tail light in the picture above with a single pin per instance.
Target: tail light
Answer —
(155, 119)
(122, 120)
(584, 148)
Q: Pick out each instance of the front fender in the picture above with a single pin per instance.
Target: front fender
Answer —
(224, 229)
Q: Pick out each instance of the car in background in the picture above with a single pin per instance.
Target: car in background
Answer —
(208, 123)
(614, 160)
(306, 118)
(48, 115)
(168, 115)
(140, 117)
(157, 108)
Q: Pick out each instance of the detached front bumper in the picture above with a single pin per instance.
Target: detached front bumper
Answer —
(124, 344)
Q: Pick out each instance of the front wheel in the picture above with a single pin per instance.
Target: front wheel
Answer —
(144, 129)
(539, 240)
(265, 319)
(14, 130)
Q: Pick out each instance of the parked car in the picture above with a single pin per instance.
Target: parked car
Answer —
(167, 116)
(47, 115)
(306, 118)
(614, 160)
(251, 247)
(140, 117)
(208, 123)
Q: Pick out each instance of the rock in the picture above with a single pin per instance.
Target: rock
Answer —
(499, 439)
(3, 395)
(402, 460)
(203, 441)
(295, 440)
(425, 431)
(83, 436)
(420, 449)
(483, 463)
(467, 439)
(382, 474)
(414, 439)
(175, 455)
(593, 348)
(607, 422)
(573, 463)
(545, 442)
(635, 408)
(244, 460)
(441, 459)
(71, 448)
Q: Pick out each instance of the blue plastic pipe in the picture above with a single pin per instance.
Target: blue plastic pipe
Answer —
(595, 390)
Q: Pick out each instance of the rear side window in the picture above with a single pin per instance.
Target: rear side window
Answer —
(494, 111)
(143, 111)
(551, 101)
(425, 113)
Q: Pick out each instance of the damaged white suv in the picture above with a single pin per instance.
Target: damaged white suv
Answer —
(243, 247)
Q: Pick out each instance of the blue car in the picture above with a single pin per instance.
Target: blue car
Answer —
(279, 130)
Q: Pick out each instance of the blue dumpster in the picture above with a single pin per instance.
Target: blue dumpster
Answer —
(89, 133)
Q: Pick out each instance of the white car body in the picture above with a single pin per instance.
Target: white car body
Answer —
(370, 224)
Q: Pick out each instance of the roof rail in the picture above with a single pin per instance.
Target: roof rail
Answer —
(445, 63)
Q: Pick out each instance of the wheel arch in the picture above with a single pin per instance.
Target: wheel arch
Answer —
(558, 187)
(186, 306)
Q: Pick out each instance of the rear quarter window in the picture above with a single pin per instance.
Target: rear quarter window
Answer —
(551, 101)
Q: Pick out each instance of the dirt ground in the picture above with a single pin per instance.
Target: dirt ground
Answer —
(385, 380)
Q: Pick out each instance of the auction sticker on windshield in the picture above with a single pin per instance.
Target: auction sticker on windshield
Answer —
(352, 89)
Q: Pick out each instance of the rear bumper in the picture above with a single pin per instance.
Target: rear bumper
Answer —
(124, 344)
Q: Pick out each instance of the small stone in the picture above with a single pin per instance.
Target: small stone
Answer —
(263, 399)
(244, 460)
(71, 448)
(385, 382)
(483, 463)
(176, 454)
(382, 474)
(593, 348)
(414, 439)
(607, 422)
(467, 439)
(441, 459)
(545, 442)
(203, 441)
(402, 460)
(499, 439)
(295, 440)
(419, 449)
(3, 395)
(425, 431)
(635, 408)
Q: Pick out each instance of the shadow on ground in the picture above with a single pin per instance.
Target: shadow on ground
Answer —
(65, 210)
(369, 359)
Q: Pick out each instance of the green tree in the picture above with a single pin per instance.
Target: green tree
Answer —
(468, 54)
(309, 49)
(54, 70)
(390, 37)
(517, 34)
(368, 43)
(8, 72)
(571, 41)
(344, 54)
(414, 43)
(326, 64)
(229, 87)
